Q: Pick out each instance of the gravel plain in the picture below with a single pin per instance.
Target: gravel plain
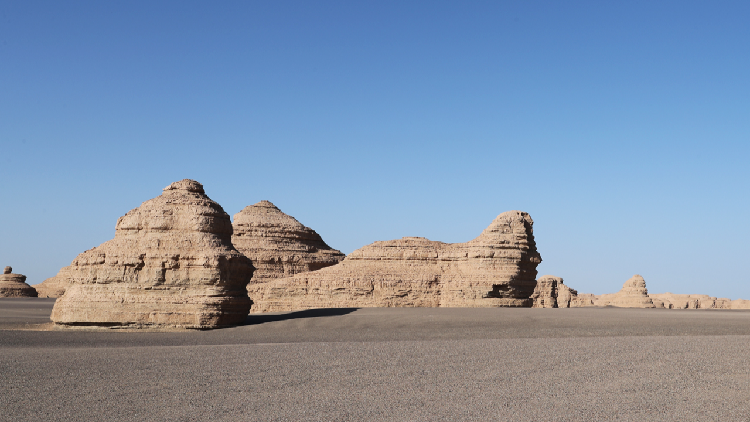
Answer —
(397, 364)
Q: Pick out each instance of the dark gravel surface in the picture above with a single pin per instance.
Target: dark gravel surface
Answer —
(384, 364)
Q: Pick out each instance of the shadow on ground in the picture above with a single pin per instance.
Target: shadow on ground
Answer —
(308, 313)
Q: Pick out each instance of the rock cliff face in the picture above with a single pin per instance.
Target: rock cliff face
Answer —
(498, 268)
(14, 285)
(550, 292)
(278, 244)
(171, 264)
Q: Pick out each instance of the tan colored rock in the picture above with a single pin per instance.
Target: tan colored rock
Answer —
(694, 301)
(170, 264)
(55, 286)
(278, 244)
(583, 300)
(632, 295)
(14, 285)
(551, 292)
(498, 268)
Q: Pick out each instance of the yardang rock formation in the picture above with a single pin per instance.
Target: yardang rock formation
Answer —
(171, 264)
(55, 286)
(550, 292)
(14, 285)
(498, 268)
(632, 295)
(278, 244)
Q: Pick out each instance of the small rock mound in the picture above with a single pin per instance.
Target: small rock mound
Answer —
(498, 268)
(171, 264)
(550, 292)
(14, 285)
(632, 295)
(278, 244)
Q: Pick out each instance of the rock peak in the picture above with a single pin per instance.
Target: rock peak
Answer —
(8, 270)
(266, 204)
(186, 184)
(278, 244)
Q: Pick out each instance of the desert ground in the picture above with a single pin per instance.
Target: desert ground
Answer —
(384, 364)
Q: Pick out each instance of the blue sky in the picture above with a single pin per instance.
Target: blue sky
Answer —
(623, 128)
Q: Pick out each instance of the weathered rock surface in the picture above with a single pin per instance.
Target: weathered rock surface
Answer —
(498, 268)
(691, 301)
(551, 292)
(278, 244)
(635, 295)
(14, 285)
(632, 295)
(170, 264)
(54, 286)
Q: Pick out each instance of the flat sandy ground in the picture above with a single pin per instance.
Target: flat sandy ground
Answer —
(384, 364)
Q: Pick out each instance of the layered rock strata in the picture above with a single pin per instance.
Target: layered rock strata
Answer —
(679, 301)
(551, 292)
(278, 244)
(54, 286)
(14, 285)
(498, 268)
(632, 295)
(170, 264)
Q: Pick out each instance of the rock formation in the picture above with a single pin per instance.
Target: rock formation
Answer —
(278, 244)
(632, 295)
(550, 292)
(14, 285)
(54, 286)
(498, 268)
(170, 264)
(635, 295)
(678, 301)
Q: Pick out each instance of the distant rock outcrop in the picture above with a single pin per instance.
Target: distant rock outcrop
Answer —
(278, 244)
(678, 301)
(14, 285)
(550, 292)
(55, 286)
(498, 268)
(632, 295)
(635, 295)
(171, 264)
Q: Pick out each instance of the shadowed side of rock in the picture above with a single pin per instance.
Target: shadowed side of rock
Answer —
(278, 244)
(171, 264)
(498, 268)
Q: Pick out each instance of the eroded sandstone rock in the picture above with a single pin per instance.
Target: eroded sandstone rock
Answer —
(693, 301)
(632, 295)
(14, 285)
(551, 292)
(278, 244)
(55, 286)
(498, 268)
(170, 264)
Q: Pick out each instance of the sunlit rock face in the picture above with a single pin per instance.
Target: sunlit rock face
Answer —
(498, 268)
(551, 292)
(171, 264)
(278, 244)
(14, 285)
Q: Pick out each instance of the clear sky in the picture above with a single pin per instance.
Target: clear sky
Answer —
(623, 128)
